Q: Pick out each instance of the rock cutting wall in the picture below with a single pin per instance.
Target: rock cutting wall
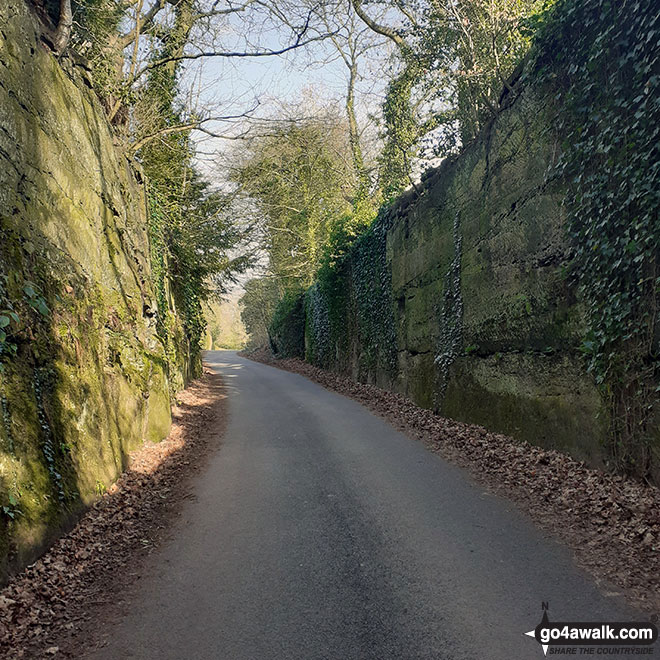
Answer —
(83, 375)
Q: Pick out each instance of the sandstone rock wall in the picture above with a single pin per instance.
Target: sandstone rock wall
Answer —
(84, 375)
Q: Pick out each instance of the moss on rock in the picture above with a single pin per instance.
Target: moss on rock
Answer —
(85, 377)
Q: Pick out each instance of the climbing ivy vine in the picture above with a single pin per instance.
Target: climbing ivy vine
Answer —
(602, 62)
(450, 340)
(287, 329)
(317, 326)
(352, 298)
(372, 285)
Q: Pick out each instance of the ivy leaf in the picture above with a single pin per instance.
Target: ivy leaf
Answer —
(42, 307)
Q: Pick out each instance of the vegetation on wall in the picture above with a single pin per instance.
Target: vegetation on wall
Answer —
(286, 332)
(318, 330)
(374, 304)
(351, 304)
(316, 190)
(603, 62)
(36, 312)
(450, 341)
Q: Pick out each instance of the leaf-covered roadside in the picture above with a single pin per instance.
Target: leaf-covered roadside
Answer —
(611, 523)
(46, 610)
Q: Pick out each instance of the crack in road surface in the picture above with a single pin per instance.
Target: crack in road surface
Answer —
(319, 532)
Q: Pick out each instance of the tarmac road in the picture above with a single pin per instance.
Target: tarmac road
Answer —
(317, 531)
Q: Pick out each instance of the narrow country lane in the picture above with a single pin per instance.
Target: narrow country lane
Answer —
(318, 531)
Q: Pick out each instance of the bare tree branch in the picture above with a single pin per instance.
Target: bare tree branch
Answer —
(377, 27)
(298, 43)
(142, 24)
(192, 125)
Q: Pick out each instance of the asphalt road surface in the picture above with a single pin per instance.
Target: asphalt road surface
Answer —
(317, 531)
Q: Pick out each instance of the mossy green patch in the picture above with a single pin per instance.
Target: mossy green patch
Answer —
(84, 375)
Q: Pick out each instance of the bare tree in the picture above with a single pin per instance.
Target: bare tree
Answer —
(352, 42)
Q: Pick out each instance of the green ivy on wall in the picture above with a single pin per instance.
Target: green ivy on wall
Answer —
(602, 61)
(351, 295)
(287, 329)
(372, 286)
(450, 340)
(317, 327)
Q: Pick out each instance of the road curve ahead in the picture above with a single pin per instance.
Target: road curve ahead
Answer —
(318, 532)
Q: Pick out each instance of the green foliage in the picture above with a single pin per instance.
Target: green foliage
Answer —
(486, 39)
(258, 305)
(191, 236)
(402, 129)
(317, 326)
(301, 179)
(602, 57)
(324, 303)
(352, 302)
(287, 328)
(44, 379)
(456, 57)
(343, 234)
(9, 321)
(27, 307)
(11, 509)
(374, 304)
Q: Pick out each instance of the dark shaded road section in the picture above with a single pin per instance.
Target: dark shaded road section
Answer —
(319, 532)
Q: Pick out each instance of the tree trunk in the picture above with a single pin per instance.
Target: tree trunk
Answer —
(63, 32)
(354, 135)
